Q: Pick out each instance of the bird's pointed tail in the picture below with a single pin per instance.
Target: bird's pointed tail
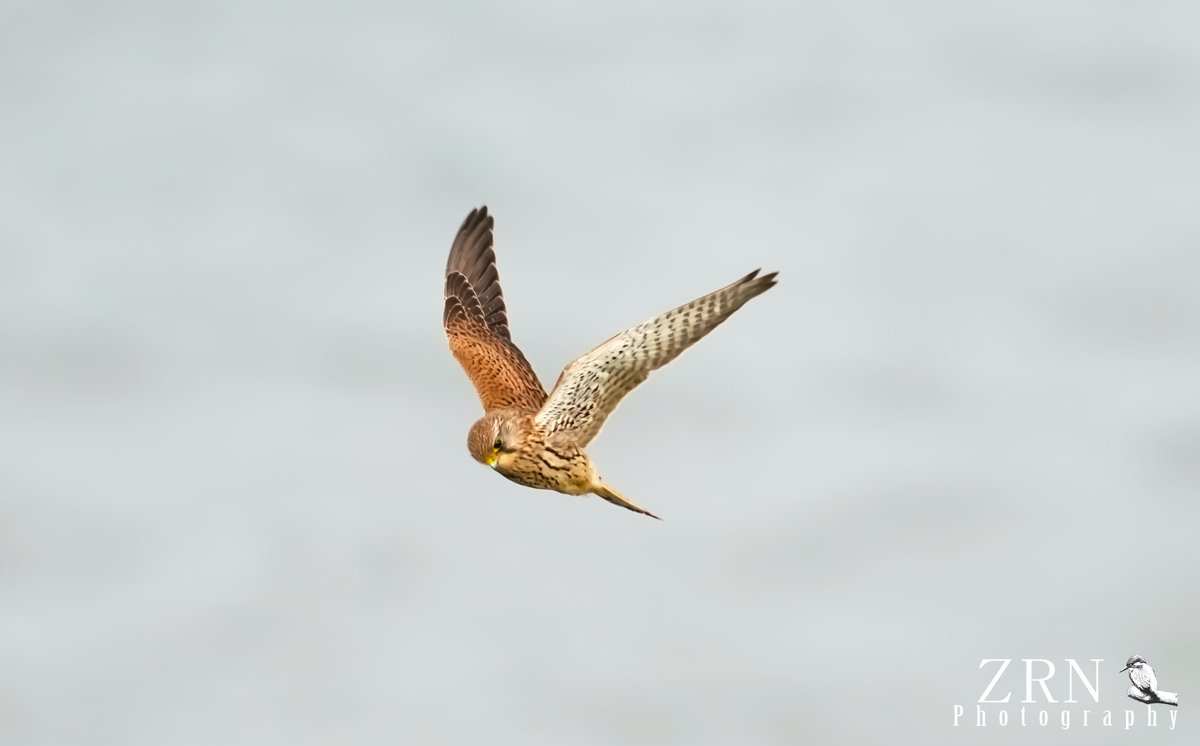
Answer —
(616, 498)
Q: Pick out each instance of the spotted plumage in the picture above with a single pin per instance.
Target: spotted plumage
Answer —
(537, 439)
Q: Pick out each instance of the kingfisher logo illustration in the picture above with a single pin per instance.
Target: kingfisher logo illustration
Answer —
(1044, 683)
(1145, 683)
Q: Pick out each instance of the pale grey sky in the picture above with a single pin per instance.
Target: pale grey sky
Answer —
(235, 501)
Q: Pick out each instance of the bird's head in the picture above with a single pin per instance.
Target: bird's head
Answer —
(495, 439)
(1135, 661)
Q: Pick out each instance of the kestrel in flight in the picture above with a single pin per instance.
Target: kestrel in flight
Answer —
(537, 439)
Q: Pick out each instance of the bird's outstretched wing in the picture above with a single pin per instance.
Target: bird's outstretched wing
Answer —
(589, 389)
(476, 321)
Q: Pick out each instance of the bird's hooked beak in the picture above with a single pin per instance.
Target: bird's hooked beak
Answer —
(492, 457)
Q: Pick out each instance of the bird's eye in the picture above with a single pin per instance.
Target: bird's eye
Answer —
(496, 445)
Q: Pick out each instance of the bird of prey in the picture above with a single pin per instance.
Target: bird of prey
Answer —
(536, 439)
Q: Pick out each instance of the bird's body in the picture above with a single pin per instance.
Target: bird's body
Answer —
(538, 439)
(1143, 678)
(1141, 674)
(531, 456)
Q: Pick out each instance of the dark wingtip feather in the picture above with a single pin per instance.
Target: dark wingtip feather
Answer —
(475, 230)
(473, 256)
(758, 284)
(476, 214)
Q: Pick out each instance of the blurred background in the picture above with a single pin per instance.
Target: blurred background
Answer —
(236, 505)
